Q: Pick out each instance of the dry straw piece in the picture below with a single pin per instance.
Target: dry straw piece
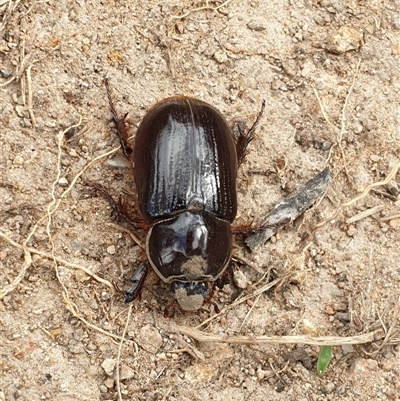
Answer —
(318, 341)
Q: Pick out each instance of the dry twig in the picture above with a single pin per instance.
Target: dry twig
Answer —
(206, 7)
(50, 256)
(244, 299)
(391, 217)
(75, 312)
(29, 81)
(317, 341)
(117, 373)
(249, 312)
(322, 108)
(346, 100)
(391, 331)
(339, 135)
(135, 239)
(51, 209)
(365, 213)
(366, 191)
(27, 263)
(248, 262)
(19, 72)
(9, 11)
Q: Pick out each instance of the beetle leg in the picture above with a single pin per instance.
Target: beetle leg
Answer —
(137, 283)
(169, 309)
(119, 123)
(272, 226)
(245, 138)
(226, 277)
(117, 207)
(250, 230)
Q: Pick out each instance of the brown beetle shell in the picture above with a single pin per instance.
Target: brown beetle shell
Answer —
(185, 167)
(185, 157)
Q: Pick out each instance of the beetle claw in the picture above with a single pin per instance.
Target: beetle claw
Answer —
(245, 138)
(120, 124)
(169, 309)
(137, 280)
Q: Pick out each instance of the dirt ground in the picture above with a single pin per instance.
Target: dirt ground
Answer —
(330, 74)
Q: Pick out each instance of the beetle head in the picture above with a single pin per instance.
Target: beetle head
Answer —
(190, 295)
(189, 247)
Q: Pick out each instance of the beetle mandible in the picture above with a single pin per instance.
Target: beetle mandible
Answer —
(185, 160)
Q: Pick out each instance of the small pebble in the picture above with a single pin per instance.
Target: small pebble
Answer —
(109, 383)
(260, 374)
(344, 40)
(111, 249)
(363, 368)
(393, 188)
(308, 328)
(149, 339)
(20, 110)
(240, 279)
(277, 84)
(326, 145)
(126, 373)
(3, 254)
(375, 158)
(256, 25)
(352, 231)
(329, 310)
(220, 56)
(18, 160)
(105, 296)
(347, 348)
(103, 388)
(27, 122)
(17, 99)
(345, 317)
(358, 127)
(328, 388)
(5, 73)
(63, 182)
(339, 306)
(396, 48)
(108, 366)
(319, 20)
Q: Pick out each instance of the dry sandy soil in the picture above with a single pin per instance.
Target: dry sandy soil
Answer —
(330, 74)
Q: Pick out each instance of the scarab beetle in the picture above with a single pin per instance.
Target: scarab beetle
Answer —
(185, 160)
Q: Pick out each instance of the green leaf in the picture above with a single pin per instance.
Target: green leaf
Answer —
(324, 358)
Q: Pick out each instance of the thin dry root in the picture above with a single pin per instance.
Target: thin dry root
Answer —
(389, 177)
(365, 213)
(206, 7)
(58, 259)
(30, 106)
(27, 263)
(318, 341)
(117, 373)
